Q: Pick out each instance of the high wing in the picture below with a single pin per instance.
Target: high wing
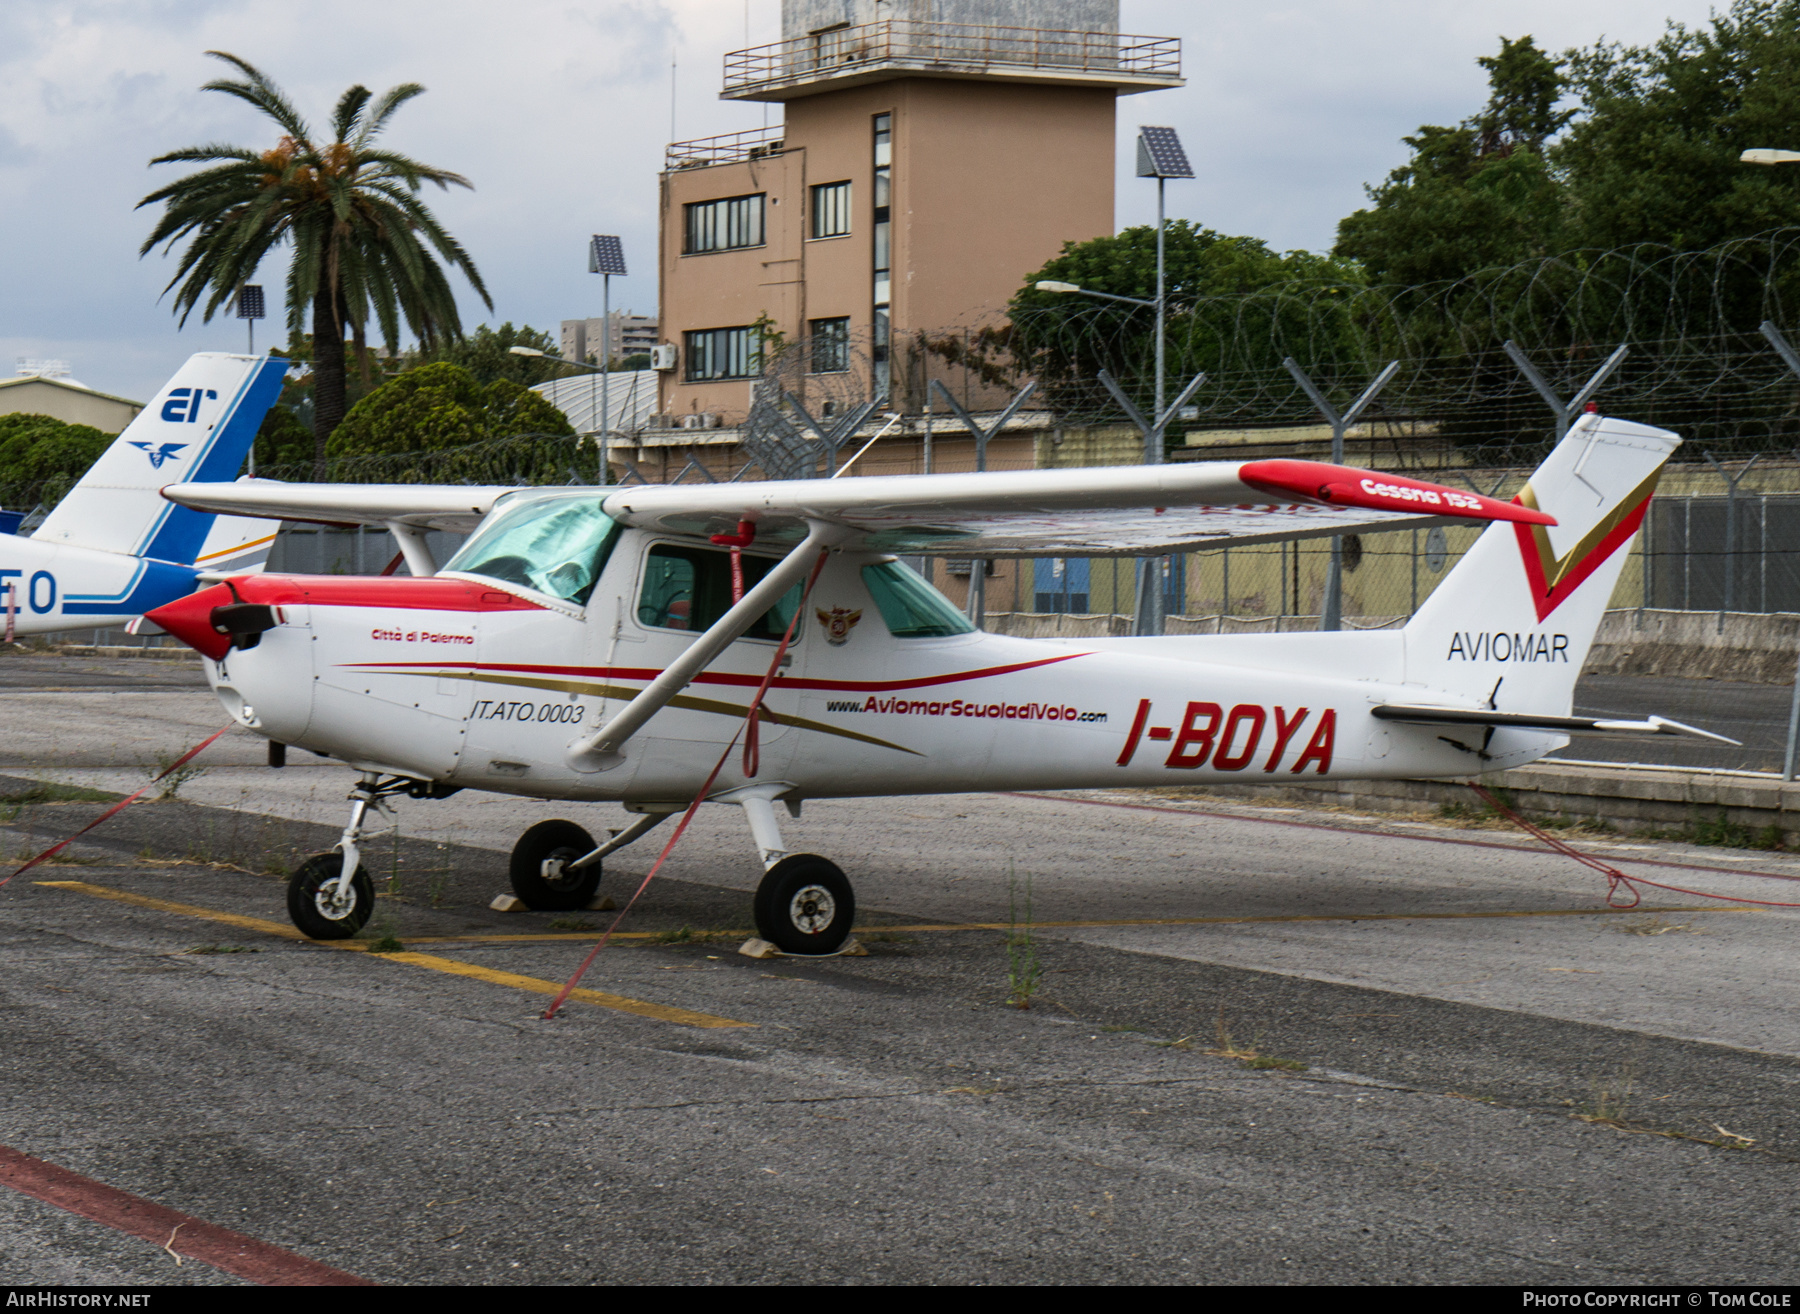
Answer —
(1111, 510)
(454, 507)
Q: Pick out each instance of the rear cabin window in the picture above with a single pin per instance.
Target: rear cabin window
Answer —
(554, 545)
(689, 588)
(910, 607)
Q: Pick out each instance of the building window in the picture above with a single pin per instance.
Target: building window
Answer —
(724, 225)
(720, 354)
(884, 160)
(831, 209)
(830, 345)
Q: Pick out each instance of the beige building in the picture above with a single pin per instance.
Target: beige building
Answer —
(66, 400)
(630, 335)
(932, 153)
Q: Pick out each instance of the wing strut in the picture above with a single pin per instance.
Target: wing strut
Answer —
(599, 751)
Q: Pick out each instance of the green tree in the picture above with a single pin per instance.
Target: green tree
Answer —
(440, 409)
(1654, 157)
(42, 457)
(363, 242)
(487, 354)
(1063, 339)
(1475, 196)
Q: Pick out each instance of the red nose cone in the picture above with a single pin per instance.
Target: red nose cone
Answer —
(190, 620)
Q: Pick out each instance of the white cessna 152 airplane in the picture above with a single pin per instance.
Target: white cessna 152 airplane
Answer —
(585, 645)
(113, 548)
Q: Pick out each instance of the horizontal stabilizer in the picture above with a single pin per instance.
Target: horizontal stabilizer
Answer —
(1655, 725)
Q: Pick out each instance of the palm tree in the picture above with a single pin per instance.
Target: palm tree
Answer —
(363, 241)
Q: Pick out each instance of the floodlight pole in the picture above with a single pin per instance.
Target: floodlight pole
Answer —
(605, 371)
(1332, 610)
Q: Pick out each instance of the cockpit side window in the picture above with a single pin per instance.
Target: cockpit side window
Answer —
(554, 545)
(689, 588)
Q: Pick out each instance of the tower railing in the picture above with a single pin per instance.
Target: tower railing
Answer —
(950, 48)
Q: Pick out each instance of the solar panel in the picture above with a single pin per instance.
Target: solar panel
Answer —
(250, 302)
(605, 255)
(1160, 155)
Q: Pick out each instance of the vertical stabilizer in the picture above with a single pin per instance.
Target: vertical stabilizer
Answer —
(1521, 609)
(198, 429)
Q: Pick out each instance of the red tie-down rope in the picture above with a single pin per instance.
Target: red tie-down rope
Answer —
(120, 806)
(1617, 882)
(747, 730)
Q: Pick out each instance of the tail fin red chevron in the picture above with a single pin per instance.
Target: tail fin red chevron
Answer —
(1519, 612)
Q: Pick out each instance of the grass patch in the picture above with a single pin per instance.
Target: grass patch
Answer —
(689, 935)
(1721, 832)
(45, 792)
(571, 924)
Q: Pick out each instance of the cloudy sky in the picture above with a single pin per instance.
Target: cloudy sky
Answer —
(558, 111)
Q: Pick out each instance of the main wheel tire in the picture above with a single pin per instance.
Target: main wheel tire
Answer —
(805, 905)
(541, 876)
(313, 907)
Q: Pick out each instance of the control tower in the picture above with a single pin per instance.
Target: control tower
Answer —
(932, 153)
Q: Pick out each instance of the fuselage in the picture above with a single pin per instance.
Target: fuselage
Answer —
(485, 683)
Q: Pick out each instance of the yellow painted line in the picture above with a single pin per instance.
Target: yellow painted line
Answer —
(661, 1012)
(185, 909)
(450, 967)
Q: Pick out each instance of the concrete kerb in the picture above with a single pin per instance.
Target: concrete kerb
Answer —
(1626, 799)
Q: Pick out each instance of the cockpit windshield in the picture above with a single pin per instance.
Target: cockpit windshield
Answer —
(556, 544)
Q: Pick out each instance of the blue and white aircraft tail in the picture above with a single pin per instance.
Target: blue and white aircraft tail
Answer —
(114, 548)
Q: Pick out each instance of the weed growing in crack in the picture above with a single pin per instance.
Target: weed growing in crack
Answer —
(1024, 968)
(170, 785)
(1249, 1055)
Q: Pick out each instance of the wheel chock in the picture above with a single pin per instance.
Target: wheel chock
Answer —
(508, 903)
(755, 948)
(603, 903)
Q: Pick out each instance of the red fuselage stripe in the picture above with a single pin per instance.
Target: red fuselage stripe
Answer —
(649, 673)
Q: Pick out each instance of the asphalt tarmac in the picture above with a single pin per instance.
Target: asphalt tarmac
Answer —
(1275, 1045)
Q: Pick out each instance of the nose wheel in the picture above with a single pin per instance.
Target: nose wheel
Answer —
(805, 905)
(322, 905)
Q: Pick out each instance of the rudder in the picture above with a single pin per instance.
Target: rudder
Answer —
(1520, 610)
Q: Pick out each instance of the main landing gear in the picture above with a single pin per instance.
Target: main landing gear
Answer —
(804, 904)
(330, 895)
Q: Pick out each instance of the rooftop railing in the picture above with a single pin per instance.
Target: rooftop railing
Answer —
(726, 148)
(951, 48)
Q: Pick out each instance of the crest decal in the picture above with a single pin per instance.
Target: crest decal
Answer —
(838, 623)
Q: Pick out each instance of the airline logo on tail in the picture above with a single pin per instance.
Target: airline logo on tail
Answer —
(157, 455)
(1553, 578)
